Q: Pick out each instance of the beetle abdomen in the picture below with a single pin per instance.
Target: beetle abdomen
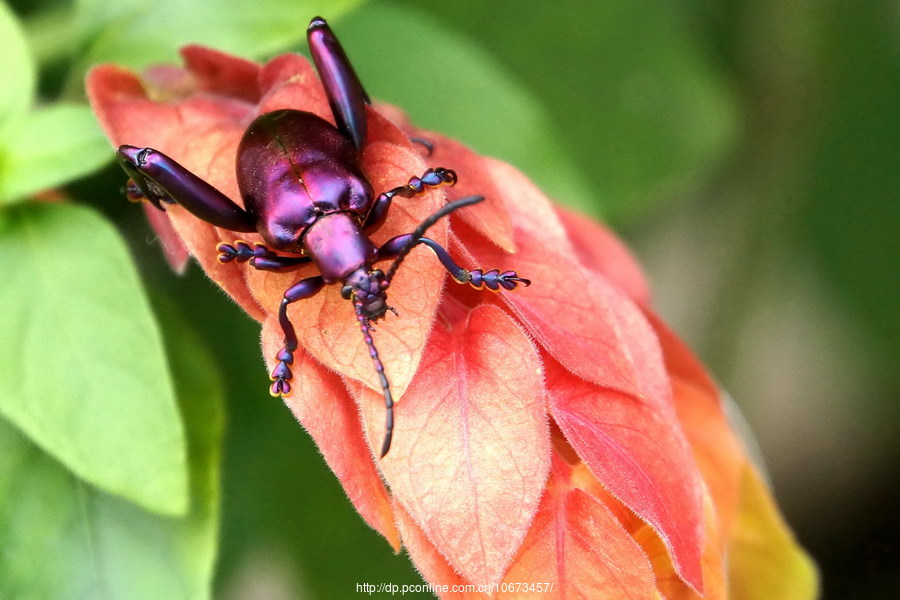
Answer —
(292, 168)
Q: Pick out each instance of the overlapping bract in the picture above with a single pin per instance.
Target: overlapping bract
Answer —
(560, 434)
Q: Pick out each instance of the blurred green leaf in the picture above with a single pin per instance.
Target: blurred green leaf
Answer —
(17, 90)
(643, 111)
(850, 213)
(448, 83)
(51, 36)
(136, 34)
(63, 539)
(84, 374)
(49, 147)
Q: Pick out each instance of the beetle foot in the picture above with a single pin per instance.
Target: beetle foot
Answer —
(241, 251)
(280, 388)
(281, 374)
(492, 280)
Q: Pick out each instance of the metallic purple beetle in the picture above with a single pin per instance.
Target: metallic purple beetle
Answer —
(306, 194)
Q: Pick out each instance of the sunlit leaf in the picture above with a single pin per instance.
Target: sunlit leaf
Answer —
(577, 546)
(471, 449)
(713, 560)
(84, 374)
(697, 403)
(63, 539)
(633, 446)
(48, 147)
(428, 560)
(568, 313)
(599, 250)
(17, 91)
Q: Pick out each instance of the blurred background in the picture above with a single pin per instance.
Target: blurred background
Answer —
(749, 152)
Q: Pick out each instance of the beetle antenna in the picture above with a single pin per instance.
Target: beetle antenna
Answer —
(379, 368)
(423, 226)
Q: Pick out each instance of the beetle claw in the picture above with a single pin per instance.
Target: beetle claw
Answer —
(280, 388)
(509, 280)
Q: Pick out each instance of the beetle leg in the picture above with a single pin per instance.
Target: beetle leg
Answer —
(433, 178)
(281, 374)
(477, 278)
(134, 194)
(345, 93)
(259, 256)
(161, 179)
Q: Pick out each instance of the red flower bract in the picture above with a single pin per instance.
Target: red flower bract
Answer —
(557, 435)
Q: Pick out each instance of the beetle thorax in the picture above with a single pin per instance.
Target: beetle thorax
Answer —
(338, 246)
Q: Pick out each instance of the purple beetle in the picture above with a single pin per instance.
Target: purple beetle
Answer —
(306, 194)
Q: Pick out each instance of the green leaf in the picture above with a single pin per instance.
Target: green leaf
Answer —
(83, 373)
(49, 147)
(849, 210)
(136, 34)
(450, 84)
(642, 110)
(63, 539)
(51, 36)
(17, 90)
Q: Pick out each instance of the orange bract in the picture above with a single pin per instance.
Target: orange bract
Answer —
(560, 434)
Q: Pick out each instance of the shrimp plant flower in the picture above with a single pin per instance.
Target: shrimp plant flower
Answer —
(557, 441)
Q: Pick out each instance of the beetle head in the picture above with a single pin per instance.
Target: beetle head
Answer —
(369, 288)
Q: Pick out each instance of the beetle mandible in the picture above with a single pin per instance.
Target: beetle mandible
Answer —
(306, 194)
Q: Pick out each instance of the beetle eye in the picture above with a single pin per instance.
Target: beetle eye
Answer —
(377, 274)
(346, 291)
